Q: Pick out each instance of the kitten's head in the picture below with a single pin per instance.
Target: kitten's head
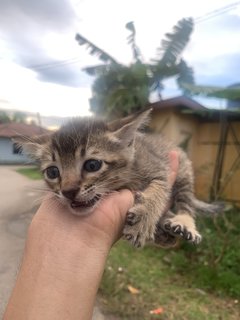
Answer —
(86, 158)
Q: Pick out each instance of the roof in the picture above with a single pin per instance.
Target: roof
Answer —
(14, 129)
(187, 105)
(180, 102)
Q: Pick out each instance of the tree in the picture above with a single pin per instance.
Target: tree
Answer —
(19, 116)
(229, 93)
(120, 90)
(4, 118)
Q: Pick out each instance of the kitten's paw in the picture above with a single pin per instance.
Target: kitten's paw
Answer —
(183, 226)
(164, 238)
(132, 218)
(138, 229)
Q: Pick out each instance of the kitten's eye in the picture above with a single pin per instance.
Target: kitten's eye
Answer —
(52, 172)
(92, 165)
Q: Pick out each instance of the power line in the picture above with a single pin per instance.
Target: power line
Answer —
(49, 65)
(208, 16)
(217, 12)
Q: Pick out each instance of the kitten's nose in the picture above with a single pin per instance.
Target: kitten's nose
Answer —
(70, 193)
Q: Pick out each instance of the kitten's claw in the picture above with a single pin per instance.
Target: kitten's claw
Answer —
(183, 227)
(188, 236)
(197, 239)
(136, 240)
(164, 238)
(137, 243)
(177, 229)
(127, 236)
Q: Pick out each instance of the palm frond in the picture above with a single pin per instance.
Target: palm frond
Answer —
(160, 72)
(96, 70)
(215, 92)
(94, 50)
(175, 42)
(132, 41)
(185, 76)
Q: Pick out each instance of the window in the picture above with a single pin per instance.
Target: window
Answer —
(17, 149)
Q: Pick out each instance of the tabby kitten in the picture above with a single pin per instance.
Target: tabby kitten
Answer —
(88, 158)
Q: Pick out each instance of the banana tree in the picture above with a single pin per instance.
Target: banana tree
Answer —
(122, 89)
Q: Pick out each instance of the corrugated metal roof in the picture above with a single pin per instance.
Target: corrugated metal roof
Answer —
(179, 102)
(187, 105)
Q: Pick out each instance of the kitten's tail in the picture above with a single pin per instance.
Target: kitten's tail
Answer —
(211, 208)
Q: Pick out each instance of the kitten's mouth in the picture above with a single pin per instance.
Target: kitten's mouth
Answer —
(85, 204)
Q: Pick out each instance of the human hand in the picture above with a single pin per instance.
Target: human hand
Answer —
(99, 229)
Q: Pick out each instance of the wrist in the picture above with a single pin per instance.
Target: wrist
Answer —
(70, 251)
(53, 276)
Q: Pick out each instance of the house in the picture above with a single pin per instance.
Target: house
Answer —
(212, 140)
(10, 153)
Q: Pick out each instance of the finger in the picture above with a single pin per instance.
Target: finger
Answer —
(119, 203)
(174, 164)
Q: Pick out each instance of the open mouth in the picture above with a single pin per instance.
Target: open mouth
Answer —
(85, 204)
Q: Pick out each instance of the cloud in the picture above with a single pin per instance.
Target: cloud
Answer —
(24, 27)
(41, 16)
(21, 88)
(69, 75)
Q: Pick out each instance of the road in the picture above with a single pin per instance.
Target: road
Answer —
(19, 198)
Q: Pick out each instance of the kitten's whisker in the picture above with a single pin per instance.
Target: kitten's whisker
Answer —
(90, 126)
(74, 128)
(41, 189)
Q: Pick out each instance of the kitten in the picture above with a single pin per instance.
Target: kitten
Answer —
(88, 158)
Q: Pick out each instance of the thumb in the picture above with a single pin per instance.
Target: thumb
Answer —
(174, 164)
(116, 207)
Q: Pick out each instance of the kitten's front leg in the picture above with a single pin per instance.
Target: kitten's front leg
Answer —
(142, 218)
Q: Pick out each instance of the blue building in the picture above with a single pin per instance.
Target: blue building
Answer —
(10, 153)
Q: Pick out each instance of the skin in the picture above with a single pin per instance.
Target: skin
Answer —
(64, 258)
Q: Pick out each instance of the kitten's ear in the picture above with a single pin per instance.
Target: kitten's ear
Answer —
(32, 146)
(125, 129)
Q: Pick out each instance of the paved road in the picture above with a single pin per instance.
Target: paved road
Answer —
(19, 198)
(17, 201)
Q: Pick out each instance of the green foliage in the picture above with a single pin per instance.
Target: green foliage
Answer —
(214, 265)
(132, 41)
(189, 282)
(215, 92)
(94, 50)
(4, 118)
(32, 173)
(119, 90)
(19, 116)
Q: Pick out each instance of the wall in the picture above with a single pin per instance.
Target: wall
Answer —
(201, 139)
(6, 153)
(205, 159)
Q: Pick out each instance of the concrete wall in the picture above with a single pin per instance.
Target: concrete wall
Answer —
(6, 153)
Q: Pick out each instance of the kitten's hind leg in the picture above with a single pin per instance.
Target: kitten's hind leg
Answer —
(183, 222)
(182, 225)
(162, 237)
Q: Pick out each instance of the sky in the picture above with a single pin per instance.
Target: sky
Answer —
(41, 62)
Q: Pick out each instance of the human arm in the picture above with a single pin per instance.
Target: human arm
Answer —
(64, 258)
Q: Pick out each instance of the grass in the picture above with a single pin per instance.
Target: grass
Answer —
(188, 282)
(32, 173)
